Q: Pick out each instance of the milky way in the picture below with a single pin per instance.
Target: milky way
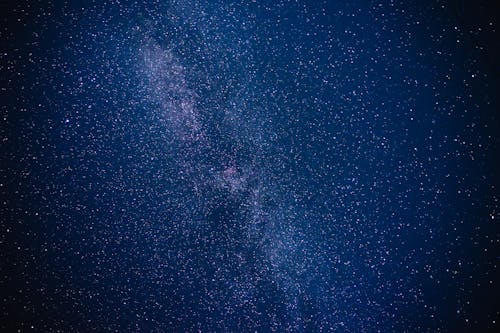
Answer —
(186, 166)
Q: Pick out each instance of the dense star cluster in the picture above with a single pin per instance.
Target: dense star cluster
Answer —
(249, 166)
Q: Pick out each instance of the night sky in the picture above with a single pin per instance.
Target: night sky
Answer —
(249, 166)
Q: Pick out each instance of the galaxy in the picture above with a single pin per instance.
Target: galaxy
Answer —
(249, 166)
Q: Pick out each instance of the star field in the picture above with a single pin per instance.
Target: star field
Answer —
(274, 166)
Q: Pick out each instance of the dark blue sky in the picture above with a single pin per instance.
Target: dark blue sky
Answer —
(309, 166)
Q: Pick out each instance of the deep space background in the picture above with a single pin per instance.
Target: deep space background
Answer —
(249, 166)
